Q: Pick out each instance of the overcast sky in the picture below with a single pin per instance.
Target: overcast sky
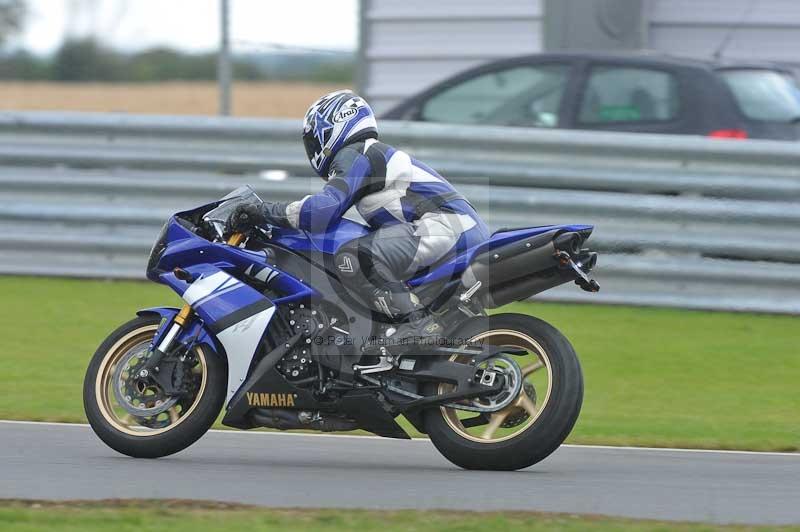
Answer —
(193, 24)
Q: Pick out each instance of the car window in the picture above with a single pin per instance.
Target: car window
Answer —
(519, 96)
(764, 94)
(622, 94)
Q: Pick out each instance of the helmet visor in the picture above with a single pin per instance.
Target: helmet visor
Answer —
(313, 148)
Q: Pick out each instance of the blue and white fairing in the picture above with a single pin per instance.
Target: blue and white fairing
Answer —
(235, 313)
(231, 312)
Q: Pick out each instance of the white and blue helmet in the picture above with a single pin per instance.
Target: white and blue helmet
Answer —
(333, 121)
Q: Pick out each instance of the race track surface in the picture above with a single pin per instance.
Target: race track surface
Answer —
(53, 461)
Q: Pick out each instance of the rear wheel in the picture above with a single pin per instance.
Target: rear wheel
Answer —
(134, 415)
(529, 426)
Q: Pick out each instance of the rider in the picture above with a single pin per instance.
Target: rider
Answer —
(415, 216)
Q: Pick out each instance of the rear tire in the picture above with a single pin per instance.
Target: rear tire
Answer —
(131, 435)
(540, 433)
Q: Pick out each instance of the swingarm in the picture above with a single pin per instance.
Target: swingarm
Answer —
(461, 385)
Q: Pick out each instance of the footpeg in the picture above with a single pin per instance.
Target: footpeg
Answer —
(467, 296)
(385, 363)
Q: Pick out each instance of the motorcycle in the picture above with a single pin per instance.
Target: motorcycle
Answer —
(270, 335)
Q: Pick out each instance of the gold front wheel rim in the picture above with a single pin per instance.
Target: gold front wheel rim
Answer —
(116, 415)
(513, 420)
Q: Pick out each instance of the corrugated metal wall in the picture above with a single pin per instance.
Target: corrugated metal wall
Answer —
(406, 46)
(769, 29)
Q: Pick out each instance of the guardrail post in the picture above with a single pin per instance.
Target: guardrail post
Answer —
(224, 70)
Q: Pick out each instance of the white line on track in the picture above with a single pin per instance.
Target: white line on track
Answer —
(340, 436)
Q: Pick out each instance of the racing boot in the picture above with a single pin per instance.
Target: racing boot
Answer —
(415, 325)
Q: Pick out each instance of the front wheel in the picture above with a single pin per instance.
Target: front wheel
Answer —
(134, 415)
(534, 423)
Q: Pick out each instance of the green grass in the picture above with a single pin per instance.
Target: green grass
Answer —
(143, 516)
(678, 378)
(653, 377)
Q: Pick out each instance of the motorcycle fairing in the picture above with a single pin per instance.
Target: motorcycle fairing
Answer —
(235, 313)
(223, 302)
(265, 378)
(358, 404)
(181, 247)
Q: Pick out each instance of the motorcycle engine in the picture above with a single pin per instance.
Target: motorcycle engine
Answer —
(297, 364)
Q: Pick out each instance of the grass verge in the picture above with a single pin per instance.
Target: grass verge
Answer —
(654, 377)
(178, 516)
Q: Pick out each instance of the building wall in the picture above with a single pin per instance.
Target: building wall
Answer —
(407, 46)
(595, 24)
(767, 29)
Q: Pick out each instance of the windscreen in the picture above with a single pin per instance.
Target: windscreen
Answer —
(241, 196)
(765, 95)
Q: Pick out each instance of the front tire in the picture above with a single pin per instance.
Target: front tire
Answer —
(153, 431)
(532, 426)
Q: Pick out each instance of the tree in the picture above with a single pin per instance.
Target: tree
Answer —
(12, 18)
(87, 60)
(24, 66)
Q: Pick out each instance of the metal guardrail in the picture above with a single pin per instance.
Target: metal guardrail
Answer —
(681, 221)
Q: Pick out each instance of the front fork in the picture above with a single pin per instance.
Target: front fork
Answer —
(178, 323)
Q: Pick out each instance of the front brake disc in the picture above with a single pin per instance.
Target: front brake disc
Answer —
(140, 397)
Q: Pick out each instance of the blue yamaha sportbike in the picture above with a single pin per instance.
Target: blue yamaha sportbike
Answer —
(269, 335)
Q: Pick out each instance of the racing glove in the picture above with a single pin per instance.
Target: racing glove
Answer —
(245, 217)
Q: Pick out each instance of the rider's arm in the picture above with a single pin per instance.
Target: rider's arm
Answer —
(349, 182)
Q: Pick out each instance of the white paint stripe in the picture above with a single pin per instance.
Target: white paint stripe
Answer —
(679, 450)
(426, 440)
(202, 287)
(231, 281)
(42, 423)
(220, 291)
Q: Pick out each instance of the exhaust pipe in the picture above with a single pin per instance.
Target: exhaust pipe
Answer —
(569, 242)
(511, 261)
(521, 269)
(505, 293)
